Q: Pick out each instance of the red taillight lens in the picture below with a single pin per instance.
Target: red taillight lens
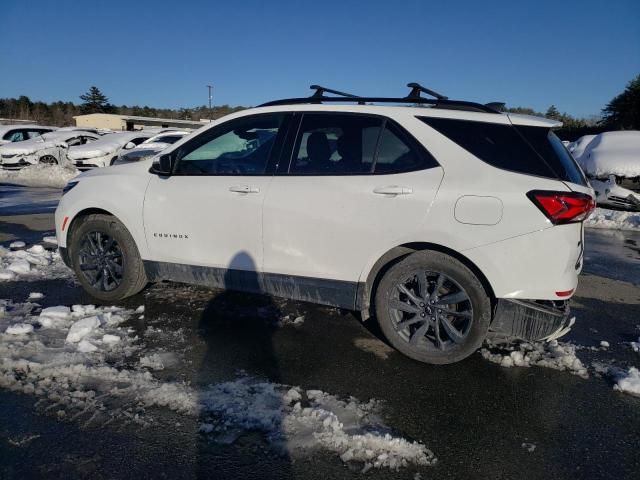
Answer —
(563, 207)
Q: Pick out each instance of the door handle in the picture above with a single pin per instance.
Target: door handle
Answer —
(393, 190)
(244, 189)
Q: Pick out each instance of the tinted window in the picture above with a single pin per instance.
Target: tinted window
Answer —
(499, 145)
(555, 154)
(335, 144)
(171, 139)
(138, 141)
(394, 155)
(74, 141)
(237, 147)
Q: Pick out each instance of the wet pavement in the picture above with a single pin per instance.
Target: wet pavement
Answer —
(474, 415)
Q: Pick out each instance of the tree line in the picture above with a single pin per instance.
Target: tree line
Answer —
(621, 113)
(61, 114)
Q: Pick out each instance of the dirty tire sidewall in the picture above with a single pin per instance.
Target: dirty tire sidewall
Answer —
(133, 279)
(438, 262)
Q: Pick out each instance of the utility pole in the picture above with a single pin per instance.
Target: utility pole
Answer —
(210, 87)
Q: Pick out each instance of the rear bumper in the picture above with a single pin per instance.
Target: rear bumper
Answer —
(530, 320)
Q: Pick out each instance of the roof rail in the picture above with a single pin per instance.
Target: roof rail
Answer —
(414, 97)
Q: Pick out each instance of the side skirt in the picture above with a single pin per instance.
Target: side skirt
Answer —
(335, 293)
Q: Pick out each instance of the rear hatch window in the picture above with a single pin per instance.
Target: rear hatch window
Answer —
(521, 149)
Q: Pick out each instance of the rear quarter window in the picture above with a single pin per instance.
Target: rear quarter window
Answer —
(527, 150)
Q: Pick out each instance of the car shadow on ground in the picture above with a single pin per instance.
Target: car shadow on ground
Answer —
(241, 333)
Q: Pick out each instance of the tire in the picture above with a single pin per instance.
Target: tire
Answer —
(432, 308)
(104, 242)
(48, 160)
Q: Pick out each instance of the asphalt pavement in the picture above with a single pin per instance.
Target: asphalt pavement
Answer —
(481, 420)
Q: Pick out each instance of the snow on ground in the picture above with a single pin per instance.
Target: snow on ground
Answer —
(553, 354)
(613, 219)
(629, 381)
(87, 365)
(562, 356)
(39, 175)
(31, 263)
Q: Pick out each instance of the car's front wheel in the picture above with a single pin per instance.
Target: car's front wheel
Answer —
(432, 308)
(105, 258)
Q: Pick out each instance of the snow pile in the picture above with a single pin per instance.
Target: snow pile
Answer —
(554, 354)
(40, 175)
(602, 218)
(34, 262)
(635, 346)
(628, 382)
(301, 421)
(86, 365)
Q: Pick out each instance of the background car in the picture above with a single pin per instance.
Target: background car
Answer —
(150, 147)
(104, 151)
(612, 163)
(20, 133)
(578, 147)
(50, 148)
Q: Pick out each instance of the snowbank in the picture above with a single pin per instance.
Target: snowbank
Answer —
(53, 176)
(81, 362)
(613, 219)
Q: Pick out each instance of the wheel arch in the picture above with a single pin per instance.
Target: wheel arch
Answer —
(367, 289)
(85, 213)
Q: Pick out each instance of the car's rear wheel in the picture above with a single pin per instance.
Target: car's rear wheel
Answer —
(49, 160)
(432, 308)
(105, 258)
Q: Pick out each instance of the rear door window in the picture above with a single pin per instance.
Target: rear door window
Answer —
(395, 155)
(351, 144)
(335, 144)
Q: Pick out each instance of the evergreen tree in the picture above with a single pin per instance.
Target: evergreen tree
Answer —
(553, 113)
(94, 101)
(623, 112)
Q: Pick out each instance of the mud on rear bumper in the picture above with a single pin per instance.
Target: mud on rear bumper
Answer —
(530, 319)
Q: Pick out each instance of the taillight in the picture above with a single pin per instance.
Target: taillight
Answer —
(563, 207)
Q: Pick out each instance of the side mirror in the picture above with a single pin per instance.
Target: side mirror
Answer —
(129, 146)
(63, 144)
(162, 165)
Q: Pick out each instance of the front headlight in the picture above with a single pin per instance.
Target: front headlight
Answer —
(69, 186)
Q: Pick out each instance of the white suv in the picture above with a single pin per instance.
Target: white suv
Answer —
(447, 223)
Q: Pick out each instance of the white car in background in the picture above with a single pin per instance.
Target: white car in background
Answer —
(49, 148)
(163, 140)
(20, 133)
(151, 147)
(105, 151)
(447, 223)
(578, 147)
(611, 161)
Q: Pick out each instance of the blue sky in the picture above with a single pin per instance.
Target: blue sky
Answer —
(574, 54)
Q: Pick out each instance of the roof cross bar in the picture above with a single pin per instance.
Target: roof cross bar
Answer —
(417, 89)
(319, 92)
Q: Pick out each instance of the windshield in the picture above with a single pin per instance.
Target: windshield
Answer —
(167, 139)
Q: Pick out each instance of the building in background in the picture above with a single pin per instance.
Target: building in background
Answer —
(130, 122)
